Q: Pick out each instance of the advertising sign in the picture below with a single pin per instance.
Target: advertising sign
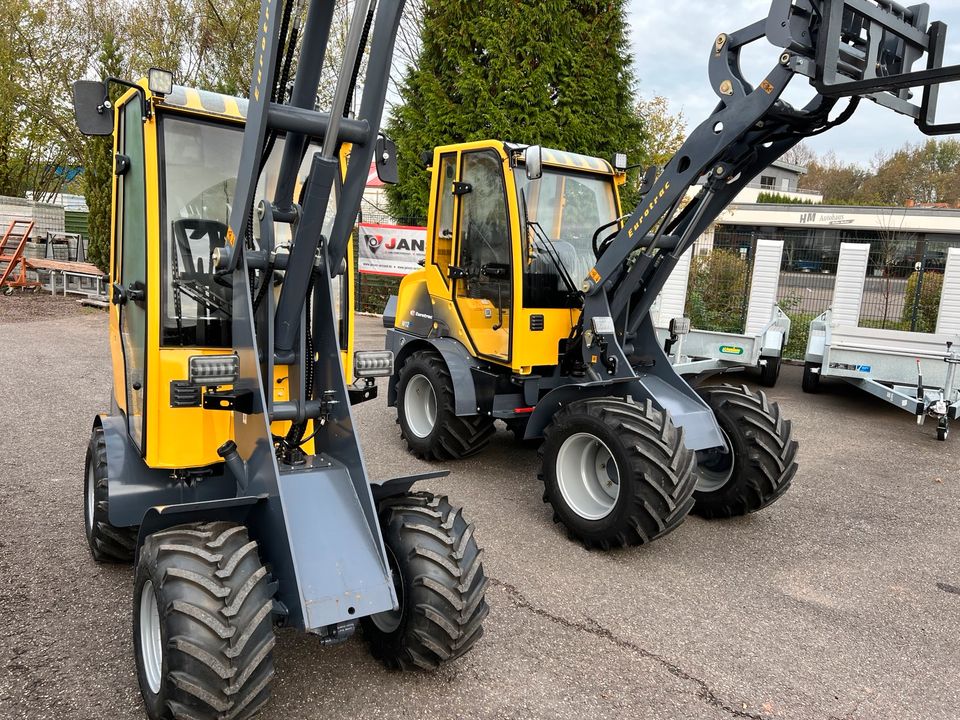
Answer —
(391, 249)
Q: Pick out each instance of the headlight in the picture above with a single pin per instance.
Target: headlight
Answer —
(373, 364)
(214, 369)
(160, 81)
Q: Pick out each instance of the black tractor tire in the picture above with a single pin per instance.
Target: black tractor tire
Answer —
(811, 379)
(107, 542)
(770, 373)
(214, 604)
(762, 461)
(440, 583)
(653, 471)
(450, 437)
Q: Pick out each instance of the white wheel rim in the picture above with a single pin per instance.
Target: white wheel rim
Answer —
(588, 476)
(420, 406)
(714, 469)
(151, 646)
(91, 498)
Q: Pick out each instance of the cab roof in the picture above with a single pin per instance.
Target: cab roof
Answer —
(574, 161)
(205, 102)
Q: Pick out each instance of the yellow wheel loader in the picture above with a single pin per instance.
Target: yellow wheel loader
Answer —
(227, 467)
(534, 303)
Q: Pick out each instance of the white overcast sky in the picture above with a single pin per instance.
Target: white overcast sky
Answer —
(672, 41)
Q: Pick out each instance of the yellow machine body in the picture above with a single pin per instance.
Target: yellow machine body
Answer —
(167, 435)
(479, 194)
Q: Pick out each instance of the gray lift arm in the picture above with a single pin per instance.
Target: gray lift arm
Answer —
(849, 49)
(316, 518)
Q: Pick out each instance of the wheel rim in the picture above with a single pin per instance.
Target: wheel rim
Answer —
(715, 467)
(588, 476)
(420, 406)
(151, 646)
(91, 498)
(388, 622)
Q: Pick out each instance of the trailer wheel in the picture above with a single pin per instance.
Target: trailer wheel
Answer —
(107, 542)
(762, 461)
(616, 472)
(202, 623)
(770, 373)
(943, 429)
(811, 379)
(426, 412)
(440, 583)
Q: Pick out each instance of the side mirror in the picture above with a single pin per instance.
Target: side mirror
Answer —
(533, 160)
(92, 108)
(385, 157)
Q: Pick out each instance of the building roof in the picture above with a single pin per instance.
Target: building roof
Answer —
(887, 219)
(789, 167)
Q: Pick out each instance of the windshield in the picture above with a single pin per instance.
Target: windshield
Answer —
(200, 162)
(568, 207)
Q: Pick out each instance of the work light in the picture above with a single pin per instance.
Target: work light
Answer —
(620, 162)
(214, 369)
(373, 363)
(160, 81)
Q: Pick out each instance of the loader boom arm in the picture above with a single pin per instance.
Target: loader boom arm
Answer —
(849, 49)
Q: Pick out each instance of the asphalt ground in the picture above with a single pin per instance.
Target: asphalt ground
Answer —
(840, 602)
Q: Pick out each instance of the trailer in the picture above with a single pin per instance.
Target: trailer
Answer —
(914, 371)
(693, 351)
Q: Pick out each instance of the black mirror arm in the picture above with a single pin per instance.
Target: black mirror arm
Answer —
(144, 105)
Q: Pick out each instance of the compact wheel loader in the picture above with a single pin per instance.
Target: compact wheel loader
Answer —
(228, 468)
(534, 303)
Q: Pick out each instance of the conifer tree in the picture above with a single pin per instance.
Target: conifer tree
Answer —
(549, 72)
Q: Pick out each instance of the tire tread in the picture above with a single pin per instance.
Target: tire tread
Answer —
(219, 597)
(447, 588)
(458, 437)
(771, 452)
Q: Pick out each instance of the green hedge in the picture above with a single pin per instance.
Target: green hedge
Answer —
(929, 306)
(719, 288)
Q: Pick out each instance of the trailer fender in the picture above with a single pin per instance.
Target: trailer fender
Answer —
(456, 357)
(133, 487)
(776, 334)
(817, 340)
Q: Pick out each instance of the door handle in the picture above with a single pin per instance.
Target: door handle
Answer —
(135, 292)
(457, 273)
(496, 271)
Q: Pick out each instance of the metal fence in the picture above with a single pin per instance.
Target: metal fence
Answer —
(719, 285)
(902, 289)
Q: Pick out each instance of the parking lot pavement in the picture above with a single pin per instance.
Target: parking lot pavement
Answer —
(842, 601)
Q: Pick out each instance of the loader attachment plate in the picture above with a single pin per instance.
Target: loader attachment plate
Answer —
(338, 562)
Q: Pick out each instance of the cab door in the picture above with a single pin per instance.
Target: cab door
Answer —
(130, 265)
(483, 272)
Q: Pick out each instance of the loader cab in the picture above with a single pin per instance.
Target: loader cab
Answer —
(176, 159)
(506, 253)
